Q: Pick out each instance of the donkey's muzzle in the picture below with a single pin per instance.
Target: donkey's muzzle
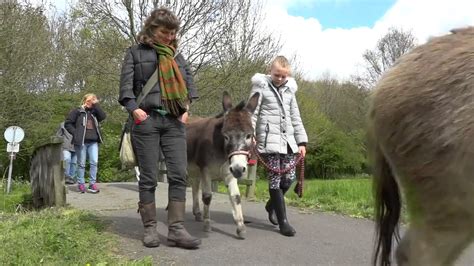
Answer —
(238, 163)
(238, 171)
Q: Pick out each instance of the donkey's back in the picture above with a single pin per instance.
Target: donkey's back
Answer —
(422, 128)
(205, 142)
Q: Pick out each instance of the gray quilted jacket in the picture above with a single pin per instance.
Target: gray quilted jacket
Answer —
(67, 138)
(277, 121)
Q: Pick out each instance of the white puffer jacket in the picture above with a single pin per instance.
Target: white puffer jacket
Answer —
(277, 121)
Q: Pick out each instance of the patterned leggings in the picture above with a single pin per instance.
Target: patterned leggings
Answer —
(280, 161)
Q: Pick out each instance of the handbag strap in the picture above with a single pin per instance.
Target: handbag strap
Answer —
(147, 88)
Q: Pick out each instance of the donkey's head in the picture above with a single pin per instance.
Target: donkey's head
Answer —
(238, 132)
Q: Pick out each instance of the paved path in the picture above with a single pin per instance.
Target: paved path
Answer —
(321, 238)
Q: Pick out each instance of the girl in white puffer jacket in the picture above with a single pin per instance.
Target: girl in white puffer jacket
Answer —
(279, 133)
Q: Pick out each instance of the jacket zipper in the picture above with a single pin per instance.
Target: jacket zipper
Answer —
(267, 130)
(84, 121)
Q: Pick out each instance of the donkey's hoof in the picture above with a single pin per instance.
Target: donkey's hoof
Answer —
(241, 233)
(198, 217)
(207, 227)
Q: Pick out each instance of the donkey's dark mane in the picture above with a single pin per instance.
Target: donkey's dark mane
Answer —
(239, 107)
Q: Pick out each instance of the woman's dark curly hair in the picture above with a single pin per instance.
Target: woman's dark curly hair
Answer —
(158, 17)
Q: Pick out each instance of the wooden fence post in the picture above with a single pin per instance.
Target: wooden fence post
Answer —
(252, 176)
(47, 175)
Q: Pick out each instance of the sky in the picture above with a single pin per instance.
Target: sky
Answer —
(328, 37)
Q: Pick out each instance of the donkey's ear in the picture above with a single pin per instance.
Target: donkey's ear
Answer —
(226, 101)
(252, 103)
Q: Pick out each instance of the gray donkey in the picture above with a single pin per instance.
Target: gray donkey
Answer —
(422, 132)
(219, 148)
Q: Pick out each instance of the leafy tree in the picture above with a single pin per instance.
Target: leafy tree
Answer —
(222, 40)
(48, 63)
(331, 151)
(343, 103)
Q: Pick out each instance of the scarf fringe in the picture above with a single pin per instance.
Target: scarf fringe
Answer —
(174, 107)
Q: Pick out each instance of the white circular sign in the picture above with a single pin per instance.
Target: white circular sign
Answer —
(14, 134)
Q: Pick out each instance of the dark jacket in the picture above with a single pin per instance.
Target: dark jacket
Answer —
(138, 65)
(76, 123)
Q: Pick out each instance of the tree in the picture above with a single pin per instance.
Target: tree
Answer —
(222, 40)
(389, 48)
(49, 62)
(331, 150)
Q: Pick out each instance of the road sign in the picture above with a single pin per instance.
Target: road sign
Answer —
(14, 134)
(13, 147)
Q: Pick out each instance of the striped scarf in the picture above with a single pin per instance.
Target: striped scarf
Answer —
(173, 87)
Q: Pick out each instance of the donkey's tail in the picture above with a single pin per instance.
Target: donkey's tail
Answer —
(387, 208)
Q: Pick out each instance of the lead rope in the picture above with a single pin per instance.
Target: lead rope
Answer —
(298, 162)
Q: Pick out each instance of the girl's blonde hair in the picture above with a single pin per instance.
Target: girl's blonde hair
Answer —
(280, 61)
(87, 96)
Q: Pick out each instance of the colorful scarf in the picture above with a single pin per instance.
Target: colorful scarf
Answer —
(174, 93)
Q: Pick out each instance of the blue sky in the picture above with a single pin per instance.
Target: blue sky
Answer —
(328, 37)
(343, 14)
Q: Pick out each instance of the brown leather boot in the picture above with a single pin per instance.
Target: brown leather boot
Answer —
(177, 234)
(148, 214)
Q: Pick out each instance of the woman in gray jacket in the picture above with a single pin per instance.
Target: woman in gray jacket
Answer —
(279, 133)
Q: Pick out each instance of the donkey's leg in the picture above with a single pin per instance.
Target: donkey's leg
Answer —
(442, 219)
(196, 181)
(235, 200)
(206, 197)
(432, 246)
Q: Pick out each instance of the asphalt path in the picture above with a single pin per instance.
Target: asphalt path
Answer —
(321, 238)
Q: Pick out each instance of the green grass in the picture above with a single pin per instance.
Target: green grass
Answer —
(18, 199)
(352, 197)
(54, 236)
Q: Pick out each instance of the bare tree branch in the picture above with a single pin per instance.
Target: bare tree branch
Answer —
(388, 49)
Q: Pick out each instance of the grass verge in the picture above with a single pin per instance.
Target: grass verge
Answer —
(352, 197)
(54, 236)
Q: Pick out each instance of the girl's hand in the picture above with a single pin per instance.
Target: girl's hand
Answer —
(302, 150)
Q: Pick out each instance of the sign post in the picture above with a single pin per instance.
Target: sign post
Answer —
(14, 135)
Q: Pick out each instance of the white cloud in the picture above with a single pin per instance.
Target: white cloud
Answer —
(339, 51)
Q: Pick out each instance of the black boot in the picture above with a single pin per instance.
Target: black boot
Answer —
(148, 214)
(177, 234)
(269, 208)
(271, 214)
(278, 203)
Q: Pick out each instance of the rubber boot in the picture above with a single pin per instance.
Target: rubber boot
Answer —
(278, 203)
(148, 214)
(271, 214)
(269, 208)
(178, 235)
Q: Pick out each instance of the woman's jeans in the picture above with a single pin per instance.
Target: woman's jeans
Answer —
(168, 134)
(70, 161)
(90, 150)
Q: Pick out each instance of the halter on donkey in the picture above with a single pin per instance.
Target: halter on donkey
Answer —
(219, 148)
